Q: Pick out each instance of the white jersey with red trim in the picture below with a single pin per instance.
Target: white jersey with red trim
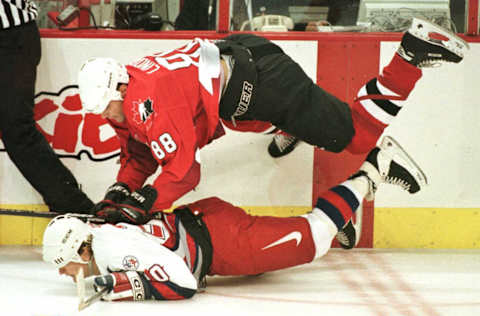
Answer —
(161, 249)
(242, 244)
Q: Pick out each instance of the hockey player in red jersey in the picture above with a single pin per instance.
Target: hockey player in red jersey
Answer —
(167, 106)
(168, 257)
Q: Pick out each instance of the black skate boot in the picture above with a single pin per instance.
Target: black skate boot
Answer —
(347, 236)
(426, 44)
(282, 144)
(390, 163)
(387, 163)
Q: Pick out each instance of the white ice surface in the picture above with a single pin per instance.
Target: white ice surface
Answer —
(358, 282)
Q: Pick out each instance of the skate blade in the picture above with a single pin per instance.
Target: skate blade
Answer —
(357, 224)
(427, 31)
(390, 144)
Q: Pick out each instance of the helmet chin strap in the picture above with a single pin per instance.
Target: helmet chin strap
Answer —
(89, 263)
(90, 266)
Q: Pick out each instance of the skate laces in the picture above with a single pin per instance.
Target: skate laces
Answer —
(283, 141)
(391, 176)
(342, 237)
(403, 53)
(431, 63)
(398, 181)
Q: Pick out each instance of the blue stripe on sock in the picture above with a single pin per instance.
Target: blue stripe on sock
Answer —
(332, 212)
(346, 194)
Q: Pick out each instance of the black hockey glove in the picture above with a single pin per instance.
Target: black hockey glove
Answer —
(116, 193)
(135, 208)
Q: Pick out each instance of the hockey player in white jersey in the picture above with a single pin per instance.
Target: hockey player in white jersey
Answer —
(167, 258)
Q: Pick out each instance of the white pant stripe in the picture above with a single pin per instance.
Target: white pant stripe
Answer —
(385, 91)
(373, 109)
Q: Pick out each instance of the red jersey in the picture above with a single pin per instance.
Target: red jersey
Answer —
(171, 110)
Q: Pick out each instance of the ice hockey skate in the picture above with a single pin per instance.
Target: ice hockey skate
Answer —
(347, 236)
(390, 163)
(387, 163)
(426, 44)
(282, 144)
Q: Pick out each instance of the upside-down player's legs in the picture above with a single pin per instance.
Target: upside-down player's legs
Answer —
(291, 101)
(424, 45)
(288, 98)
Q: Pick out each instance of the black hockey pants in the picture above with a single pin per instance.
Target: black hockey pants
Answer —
(267, 85)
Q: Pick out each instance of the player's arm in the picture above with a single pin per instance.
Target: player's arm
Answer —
(249, 126)
(139, 286)
(172, 141)
(136, 161)
(137, 164)
(154, 271)
(175, 148)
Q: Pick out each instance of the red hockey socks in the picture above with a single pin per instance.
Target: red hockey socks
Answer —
(379, 101)
(339, 203)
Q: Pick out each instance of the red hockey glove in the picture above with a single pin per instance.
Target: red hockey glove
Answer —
(123, 286)
(116, 193)
(134, 209)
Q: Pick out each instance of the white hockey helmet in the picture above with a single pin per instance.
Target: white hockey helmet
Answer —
(98, 80)
(62, 240)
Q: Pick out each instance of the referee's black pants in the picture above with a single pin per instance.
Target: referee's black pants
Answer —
(28, 149)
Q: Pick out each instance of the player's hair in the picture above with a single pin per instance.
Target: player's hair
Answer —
(86, 244)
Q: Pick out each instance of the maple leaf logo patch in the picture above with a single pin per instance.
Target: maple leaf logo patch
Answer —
(145, 109)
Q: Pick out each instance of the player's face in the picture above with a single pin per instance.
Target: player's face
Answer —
(114, 111)
(72, 268)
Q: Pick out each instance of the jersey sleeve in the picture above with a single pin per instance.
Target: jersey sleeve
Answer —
(125, 249)
(249, 126)
(173, 143)
(136, 161)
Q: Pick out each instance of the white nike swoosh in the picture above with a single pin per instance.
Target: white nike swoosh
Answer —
(292, 236)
